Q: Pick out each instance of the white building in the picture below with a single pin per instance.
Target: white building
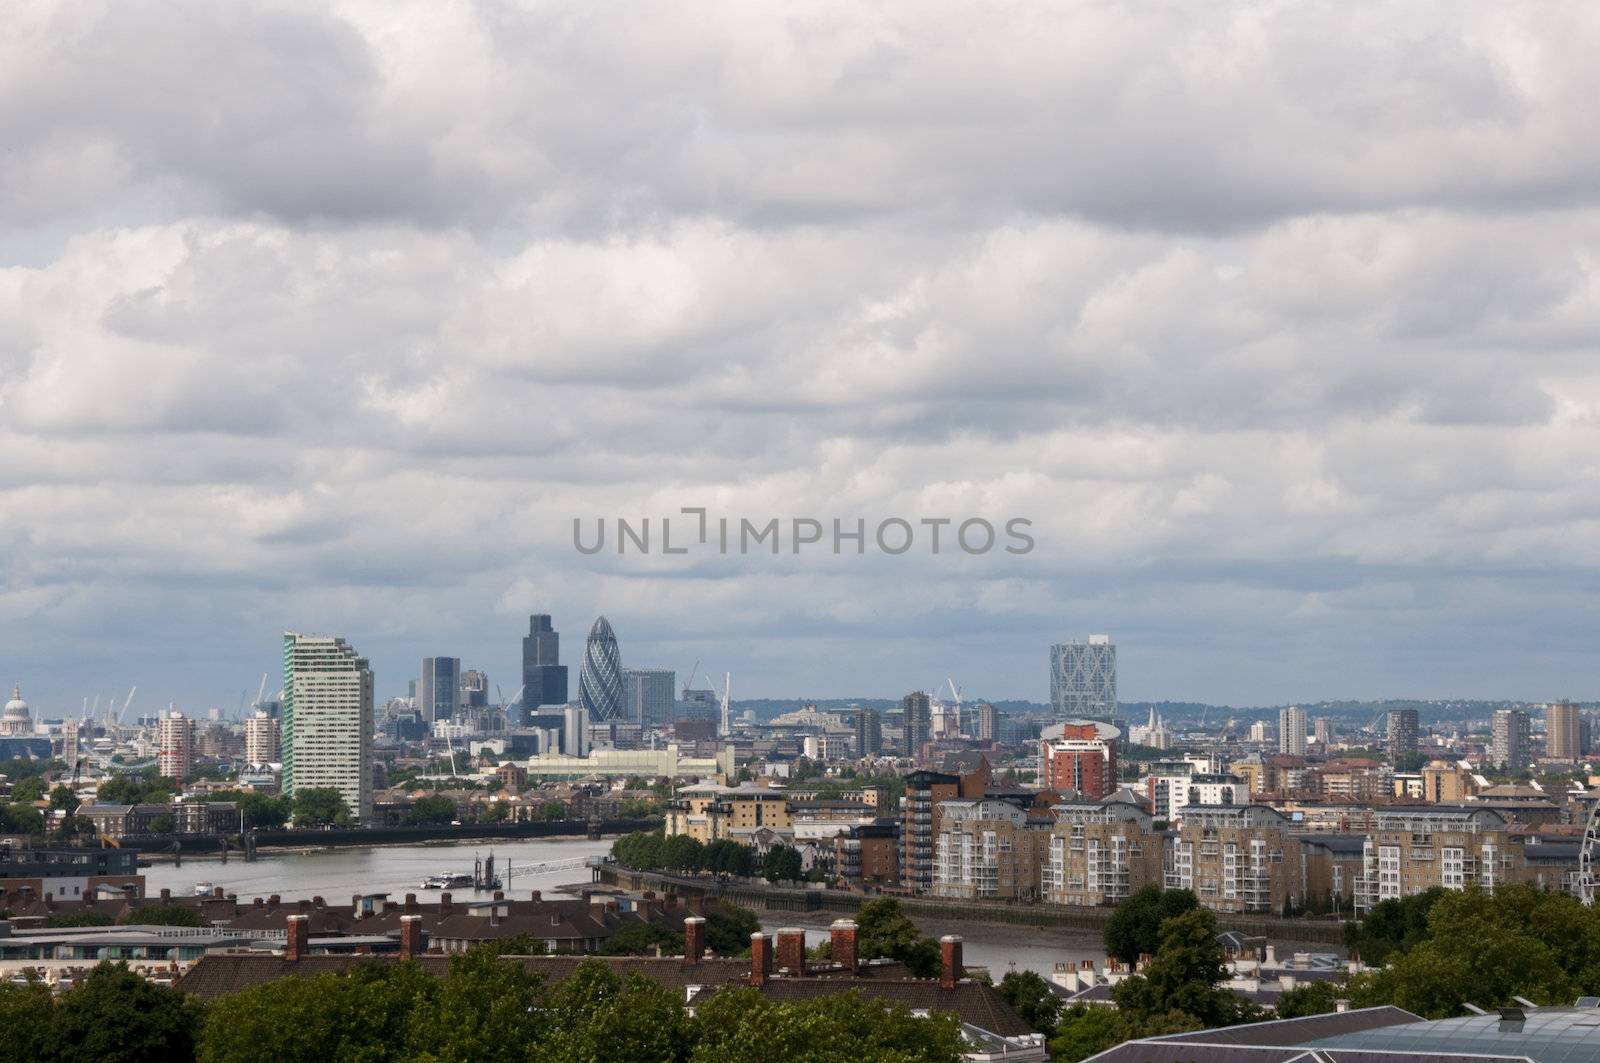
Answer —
(261, 744)
(175, 745)
(327, 719)
(826, 747)
(17, 721)
(1292, 730)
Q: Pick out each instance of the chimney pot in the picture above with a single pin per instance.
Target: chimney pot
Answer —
(537, 896)
(444, 906)
(694, 940)
(791, 950)
(166, 895)
(272, 901)
(411, 902)
(950, 971)
(297, 943)
(843, 941)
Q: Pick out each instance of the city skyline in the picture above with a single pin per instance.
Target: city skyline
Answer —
(1292, 378)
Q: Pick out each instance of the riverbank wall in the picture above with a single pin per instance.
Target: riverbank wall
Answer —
(1321, 932)
(266, 840)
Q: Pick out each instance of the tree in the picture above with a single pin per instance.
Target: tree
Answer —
(24, 1019)
(728, 857)
(1311, 998)
(782, 864)
(163, 824)
(741, 1026)
(321, 806)
(117, 1016)
(884, 930)
(434, 808)
(728, 928)
(81, 917)
(642, 939)
(1134, 929)
(680, 852)
(487, 1009)
(166, 915)
(1031, 997)
(1084, 1031)
(1391, 926)
(27, 790)
(62, 799)
(1185, 976)
(20, 819)
(641, 849)
(257, 809)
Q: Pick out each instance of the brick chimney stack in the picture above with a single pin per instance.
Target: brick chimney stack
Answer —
(844, 944)
(537, 896)
(297, 946)
(444, 906)
(694, 940)
(760, 959)
(949, 961)
(410, 936)
(792, 950)
(411, 903)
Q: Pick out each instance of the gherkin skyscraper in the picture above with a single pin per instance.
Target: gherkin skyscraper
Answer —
(600, 682)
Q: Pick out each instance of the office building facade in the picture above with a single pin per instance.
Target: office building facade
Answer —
(544, 677)
(600, 680)
(648, 695)
(439, 688)
(327, 719)
(1083, 679)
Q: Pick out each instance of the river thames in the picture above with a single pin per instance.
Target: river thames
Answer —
(336, 875)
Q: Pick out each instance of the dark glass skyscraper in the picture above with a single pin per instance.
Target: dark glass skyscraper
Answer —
(600, 681)
(439, 689)
(544, 677)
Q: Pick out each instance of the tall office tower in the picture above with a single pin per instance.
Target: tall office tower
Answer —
(1508, 745)
(869, 733)
(1402, 741)
(439, 688)
(1083, 679)
(474, 690)
(261, 739)
(988, 722)
(544, 677)
(327, 720)
(648, 695)
(917, 712)
(1326, 730)
(1292, 730)
(175, 757)
(1563, 731)
(600, 681)
(575, 731)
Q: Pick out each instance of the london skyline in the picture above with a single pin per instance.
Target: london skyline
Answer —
(334, 318)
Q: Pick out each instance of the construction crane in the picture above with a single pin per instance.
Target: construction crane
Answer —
(688, 684)
(123, 715)
(725, 727)
(261, 693)
(955, 695)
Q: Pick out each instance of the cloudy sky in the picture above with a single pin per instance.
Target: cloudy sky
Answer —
(1281, 322)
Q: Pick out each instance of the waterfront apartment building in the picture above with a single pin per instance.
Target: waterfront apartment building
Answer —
(327, 719)
(1236, 858)
(1083, 679)
(648, 695)
(1292, 731)
(1563, 729)
(868, 854)
(261, 739)
(439, 689)
(1447, 782)
(1100, 852)
(544, 677)
(1508, 742)
(175, 753)
(1079, 755)
(1403, 730)
(1415, 848)
(988, 850)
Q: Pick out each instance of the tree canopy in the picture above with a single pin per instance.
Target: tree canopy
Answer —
(321, 806)
(1134, 929)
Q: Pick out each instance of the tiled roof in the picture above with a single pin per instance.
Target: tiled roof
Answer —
(976, 1003)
